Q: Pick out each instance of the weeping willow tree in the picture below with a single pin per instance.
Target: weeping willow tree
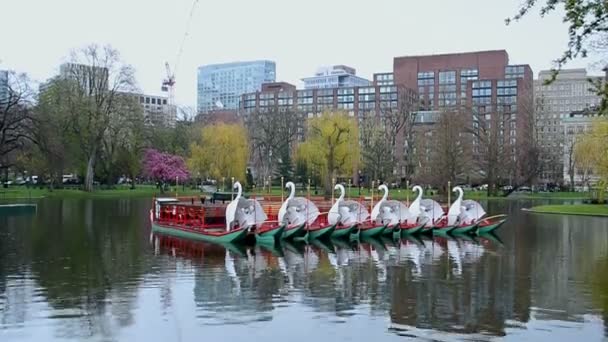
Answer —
(331, 147)
(223, 152)
(591, 154)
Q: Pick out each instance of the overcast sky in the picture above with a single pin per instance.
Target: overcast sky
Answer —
(299, 36)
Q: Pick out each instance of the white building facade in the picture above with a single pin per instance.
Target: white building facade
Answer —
(570, 92)
(336, 76)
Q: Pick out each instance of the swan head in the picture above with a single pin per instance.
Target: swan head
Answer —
(236, 185)
(383, 188)
(290, 185)
(417, 188)
(456, 189)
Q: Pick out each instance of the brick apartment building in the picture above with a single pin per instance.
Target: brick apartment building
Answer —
(358, 102)
(483, 84)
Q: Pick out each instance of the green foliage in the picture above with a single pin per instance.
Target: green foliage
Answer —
(223, 152)
(331, 147)
(376, 150)
(586, 19)
(284, 166)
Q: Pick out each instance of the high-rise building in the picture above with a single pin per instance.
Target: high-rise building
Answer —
(90, 78)
(221, 85)
(483, 84)
(157, 110)
(571, 91)
(336, 76)
(3, 86)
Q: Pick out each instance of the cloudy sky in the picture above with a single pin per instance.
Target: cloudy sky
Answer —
(300, 36)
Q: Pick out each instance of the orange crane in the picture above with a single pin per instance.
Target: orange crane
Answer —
(168, 84)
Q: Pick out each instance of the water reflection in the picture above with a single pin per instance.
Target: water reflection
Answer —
(91, 270)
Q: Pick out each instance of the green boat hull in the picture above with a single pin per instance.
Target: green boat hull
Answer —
(371, 232)
(412, 231)
(443, 231)
(396, 232)
(489, 228)
(316, 234)
(426, 230)
(464, 229)
(388, 230)
(343, 232)
(321, 233)
(270, 236)
(293, 232)
(235, 236)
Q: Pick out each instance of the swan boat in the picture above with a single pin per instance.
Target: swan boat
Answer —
(302, 218)
(242, 217)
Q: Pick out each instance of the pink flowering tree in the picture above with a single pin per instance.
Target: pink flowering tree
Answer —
(164, 167)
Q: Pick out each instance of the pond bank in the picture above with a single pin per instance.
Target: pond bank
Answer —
(571, 209)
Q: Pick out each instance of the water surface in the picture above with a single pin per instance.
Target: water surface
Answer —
(90, 270)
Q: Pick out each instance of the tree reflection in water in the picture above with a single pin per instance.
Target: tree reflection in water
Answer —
(86, 268)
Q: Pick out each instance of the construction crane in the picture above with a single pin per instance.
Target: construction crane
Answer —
(168, 84)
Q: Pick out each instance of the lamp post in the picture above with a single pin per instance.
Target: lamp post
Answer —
(407, 192)
(349, 184)
(223, 184)
(333, 185)
(359, 182)
(282, 189)
(371, 206)
(232, 188)
(449, 192)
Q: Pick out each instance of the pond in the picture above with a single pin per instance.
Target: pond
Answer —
(90, 270)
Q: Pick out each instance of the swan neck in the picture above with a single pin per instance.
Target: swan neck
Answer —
(239, 190)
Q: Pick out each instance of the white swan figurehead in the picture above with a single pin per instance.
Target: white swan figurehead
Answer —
(231, 207)
(244, 212)
(333, 217)
(376, 209)
(283, 209)
(298, 210)
(455, 208)
(415, 206)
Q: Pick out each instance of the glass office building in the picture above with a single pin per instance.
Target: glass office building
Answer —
(221, 85)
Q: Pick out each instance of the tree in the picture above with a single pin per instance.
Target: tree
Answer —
(164, 167)
(91, 87)
(450, 150)
(376, 148)
(273, 134)
(399, 118)
(55, 146)
(123, 142)
(586, 156)
(331, 146)
(592, 153)
(492, 149)
(16, 99)
(571, 160)
(223, 152)
(587, 22)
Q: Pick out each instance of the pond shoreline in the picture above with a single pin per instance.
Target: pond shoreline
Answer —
(597, 210)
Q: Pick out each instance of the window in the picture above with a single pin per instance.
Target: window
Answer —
(164, 101)
(447, 77)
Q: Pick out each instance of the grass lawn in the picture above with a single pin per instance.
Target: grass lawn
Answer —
(557, 195)
(579, 209)
(142, 191)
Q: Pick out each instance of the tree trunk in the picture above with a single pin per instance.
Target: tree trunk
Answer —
(90, 175)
